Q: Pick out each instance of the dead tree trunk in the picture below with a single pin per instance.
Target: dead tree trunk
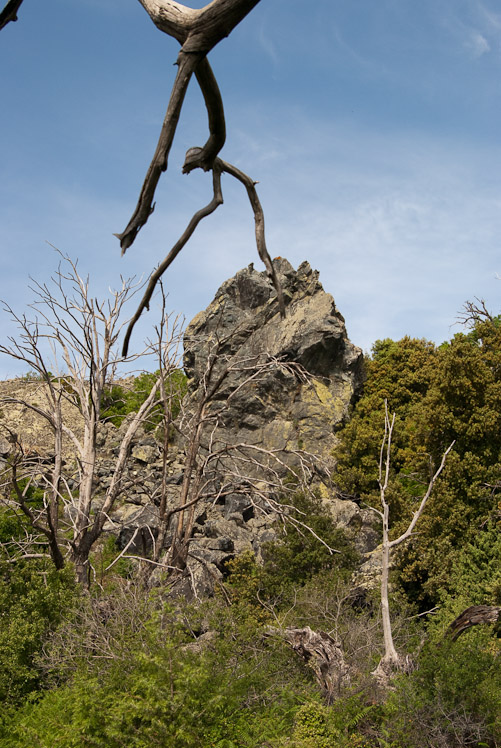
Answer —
(391, 659)
(322, 653)
(473, 616)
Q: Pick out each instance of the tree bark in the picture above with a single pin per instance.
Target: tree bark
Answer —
(198, 30)
(322, 653)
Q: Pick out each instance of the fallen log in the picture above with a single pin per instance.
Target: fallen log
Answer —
(473, 616)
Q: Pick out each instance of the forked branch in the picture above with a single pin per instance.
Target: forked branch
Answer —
(198, 31)
(219, 166)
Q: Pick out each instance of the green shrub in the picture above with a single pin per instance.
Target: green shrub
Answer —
(33, 599)
(295, 558)
(452, 699)
(118, 401)
(167, 690)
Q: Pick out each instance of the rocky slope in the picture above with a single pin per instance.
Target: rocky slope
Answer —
(260, 402)
(264, 400)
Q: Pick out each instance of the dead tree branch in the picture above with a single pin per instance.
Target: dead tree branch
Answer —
(198, 31)
(219, 166)
(473, 616)
(217, 200)
(9, 13)
(474, 312)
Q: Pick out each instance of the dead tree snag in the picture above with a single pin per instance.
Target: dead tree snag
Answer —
(473, 616)
(392, 660)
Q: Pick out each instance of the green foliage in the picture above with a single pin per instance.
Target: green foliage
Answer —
(337, 726)
(11, 525)
(453, 698)
(169, 690)
(118, 401)
(314, 727)
(463, 403)
(401, 373)
(439, 395)
(33, 599)
(300, 554)
(476, 571)
(297, 557)
(103, 554)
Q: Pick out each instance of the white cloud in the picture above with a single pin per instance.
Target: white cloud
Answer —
(268, 45)
(477, 44)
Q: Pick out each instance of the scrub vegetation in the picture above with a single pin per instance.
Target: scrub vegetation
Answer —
(124, 664)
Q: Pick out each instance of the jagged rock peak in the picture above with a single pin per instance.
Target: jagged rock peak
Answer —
(243, 322)
(250, 288)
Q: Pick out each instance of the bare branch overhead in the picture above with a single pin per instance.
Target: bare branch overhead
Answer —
(9, 13)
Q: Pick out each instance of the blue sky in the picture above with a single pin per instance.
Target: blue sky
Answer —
(372, 127)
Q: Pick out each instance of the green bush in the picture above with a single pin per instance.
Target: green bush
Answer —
(119, 401)
(297, 557)
(33, 599)
(168, 690)
(452, 699)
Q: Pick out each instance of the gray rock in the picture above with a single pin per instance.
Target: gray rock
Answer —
(5, 446)
(145, 453)
(277, 411)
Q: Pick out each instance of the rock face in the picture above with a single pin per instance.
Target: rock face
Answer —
(243, 323)
(286, 386)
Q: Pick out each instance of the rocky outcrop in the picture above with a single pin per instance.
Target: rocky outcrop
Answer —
(243, 324)
(285, 386)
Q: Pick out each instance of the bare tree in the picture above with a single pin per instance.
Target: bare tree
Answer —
(216, 465)
(474, 312)
(82, 334)
(391, 660)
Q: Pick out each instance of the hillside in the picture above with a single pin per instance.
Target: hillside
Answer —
(233, 593)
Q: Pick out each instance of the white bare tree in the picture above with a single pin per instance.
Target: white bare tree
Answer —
(391, 659)
(76, 336)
